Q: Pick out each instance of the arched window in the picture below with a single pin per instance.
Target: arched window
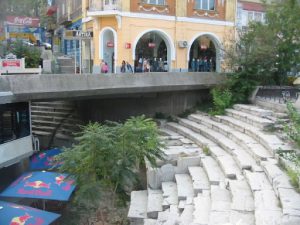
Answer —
(205, 4)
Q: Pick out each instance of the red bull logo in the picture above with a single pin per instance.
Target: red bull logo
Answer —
(42, 155)
(68, 185)
(59, 180)
(37, 184)
(20, 220)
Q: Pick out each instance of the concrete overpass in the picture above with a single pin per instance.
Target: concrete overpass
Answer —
(17, 88)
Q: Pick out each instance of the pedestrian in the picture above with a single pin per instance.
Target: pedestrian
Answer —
(123, 67)
(102, 64)
(105, 68)
(129, 68)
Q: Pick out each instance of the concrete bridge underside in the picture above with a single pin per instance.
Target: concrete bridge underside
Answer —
(17, 88)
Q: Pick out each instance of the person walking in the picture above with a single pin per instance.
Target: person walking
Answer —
(123, 67)
(102, 64)
(129, 68)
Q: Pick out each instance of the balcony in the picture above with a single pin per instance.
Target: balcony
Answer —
(104, 7)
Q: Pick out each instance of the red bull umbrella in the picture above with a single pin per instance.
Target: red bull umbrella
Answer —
(41, 185)
(44, 160)
(13, 214)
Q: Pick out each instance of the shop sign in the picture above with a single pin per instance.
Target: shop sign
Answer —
(78, 34)
(23, 21)
(16, 63)
(110, 44)
(11, 61)
(151, 45)
(127, 45)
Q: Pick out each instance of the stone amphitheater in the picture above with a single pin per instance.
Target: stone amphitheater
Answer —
(219, 170)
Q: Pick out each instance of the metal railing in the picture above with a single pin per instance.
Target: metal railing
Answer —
(104, 5)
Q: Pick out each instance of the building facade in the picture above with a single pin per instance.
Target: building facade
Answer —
(248, 11)
(159, 35)
(69, 16)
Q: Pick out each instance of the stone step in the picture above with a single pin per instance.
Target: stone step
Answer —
(220, 206)
(150, 222)
(49, 113)
(257, 181)
(170, 196)
(250, 119)
(66, 124)
(254, 148)
(138, 207)
(242, 218)
(254, 110)
(271, 142)
(54, 104)
(213, 171)
(52, 109)
(243, 158)
(186, 217)
(72, 119)
(289, 198)
(267, 104)
(242, 198)
(183, 163)
(184, 186)
(195, 137)
(199, 178)
(267, 210)
(155, 203)
(202, 205)
(41, 133)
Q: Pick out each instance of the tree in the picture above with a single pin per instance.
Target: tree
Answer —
(105, 161)
(264, 54)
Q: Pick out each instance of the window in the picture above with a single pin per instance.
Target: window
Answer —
(14, 121)
(205, 4)
(154, 2)
(256, 16)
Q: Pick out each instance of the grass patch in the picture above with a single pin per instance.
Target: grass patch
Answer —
(206, 151)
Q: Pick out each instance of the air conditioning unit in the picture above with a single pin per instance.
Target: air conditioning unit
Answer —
(182, 44)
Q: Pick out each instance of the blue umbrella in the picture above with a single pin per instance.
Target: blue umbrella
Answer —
(41, 185)
(44, 160)
(13, 214)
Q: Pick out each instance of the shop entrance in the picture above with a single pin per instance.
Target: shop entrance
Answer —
(203, 55)
(151, 53)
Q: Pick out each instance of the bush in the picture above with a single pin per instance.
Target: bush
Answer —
(105, 161)
(222, 99)
(31, 54)
(293, 128)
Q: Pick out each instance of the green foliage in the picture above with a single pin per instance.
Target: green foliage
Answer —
(106, 160)
(30, 53)
(293, 128)
(291, 164)
(294, 179)
(222, 99)
(265, 54)
(206, 151)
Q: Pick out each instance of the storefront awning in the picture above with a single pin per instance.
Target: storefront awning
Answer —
(51, 10)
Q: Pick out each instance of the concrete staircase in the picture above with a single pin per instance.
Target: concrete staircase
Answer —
(219, 170)
(54, 120)
(66, 65)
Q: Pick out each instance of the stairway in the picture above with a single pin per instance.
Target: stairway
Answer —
(219, 170)
(54, 120)
(66, 65)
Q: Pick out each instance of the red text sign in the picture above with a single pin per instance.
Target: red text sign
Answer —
(110, 44)
(23, 21)
(11, 63)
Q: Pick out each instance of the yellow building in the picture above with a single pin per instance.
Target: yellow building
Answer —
(159, 35)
